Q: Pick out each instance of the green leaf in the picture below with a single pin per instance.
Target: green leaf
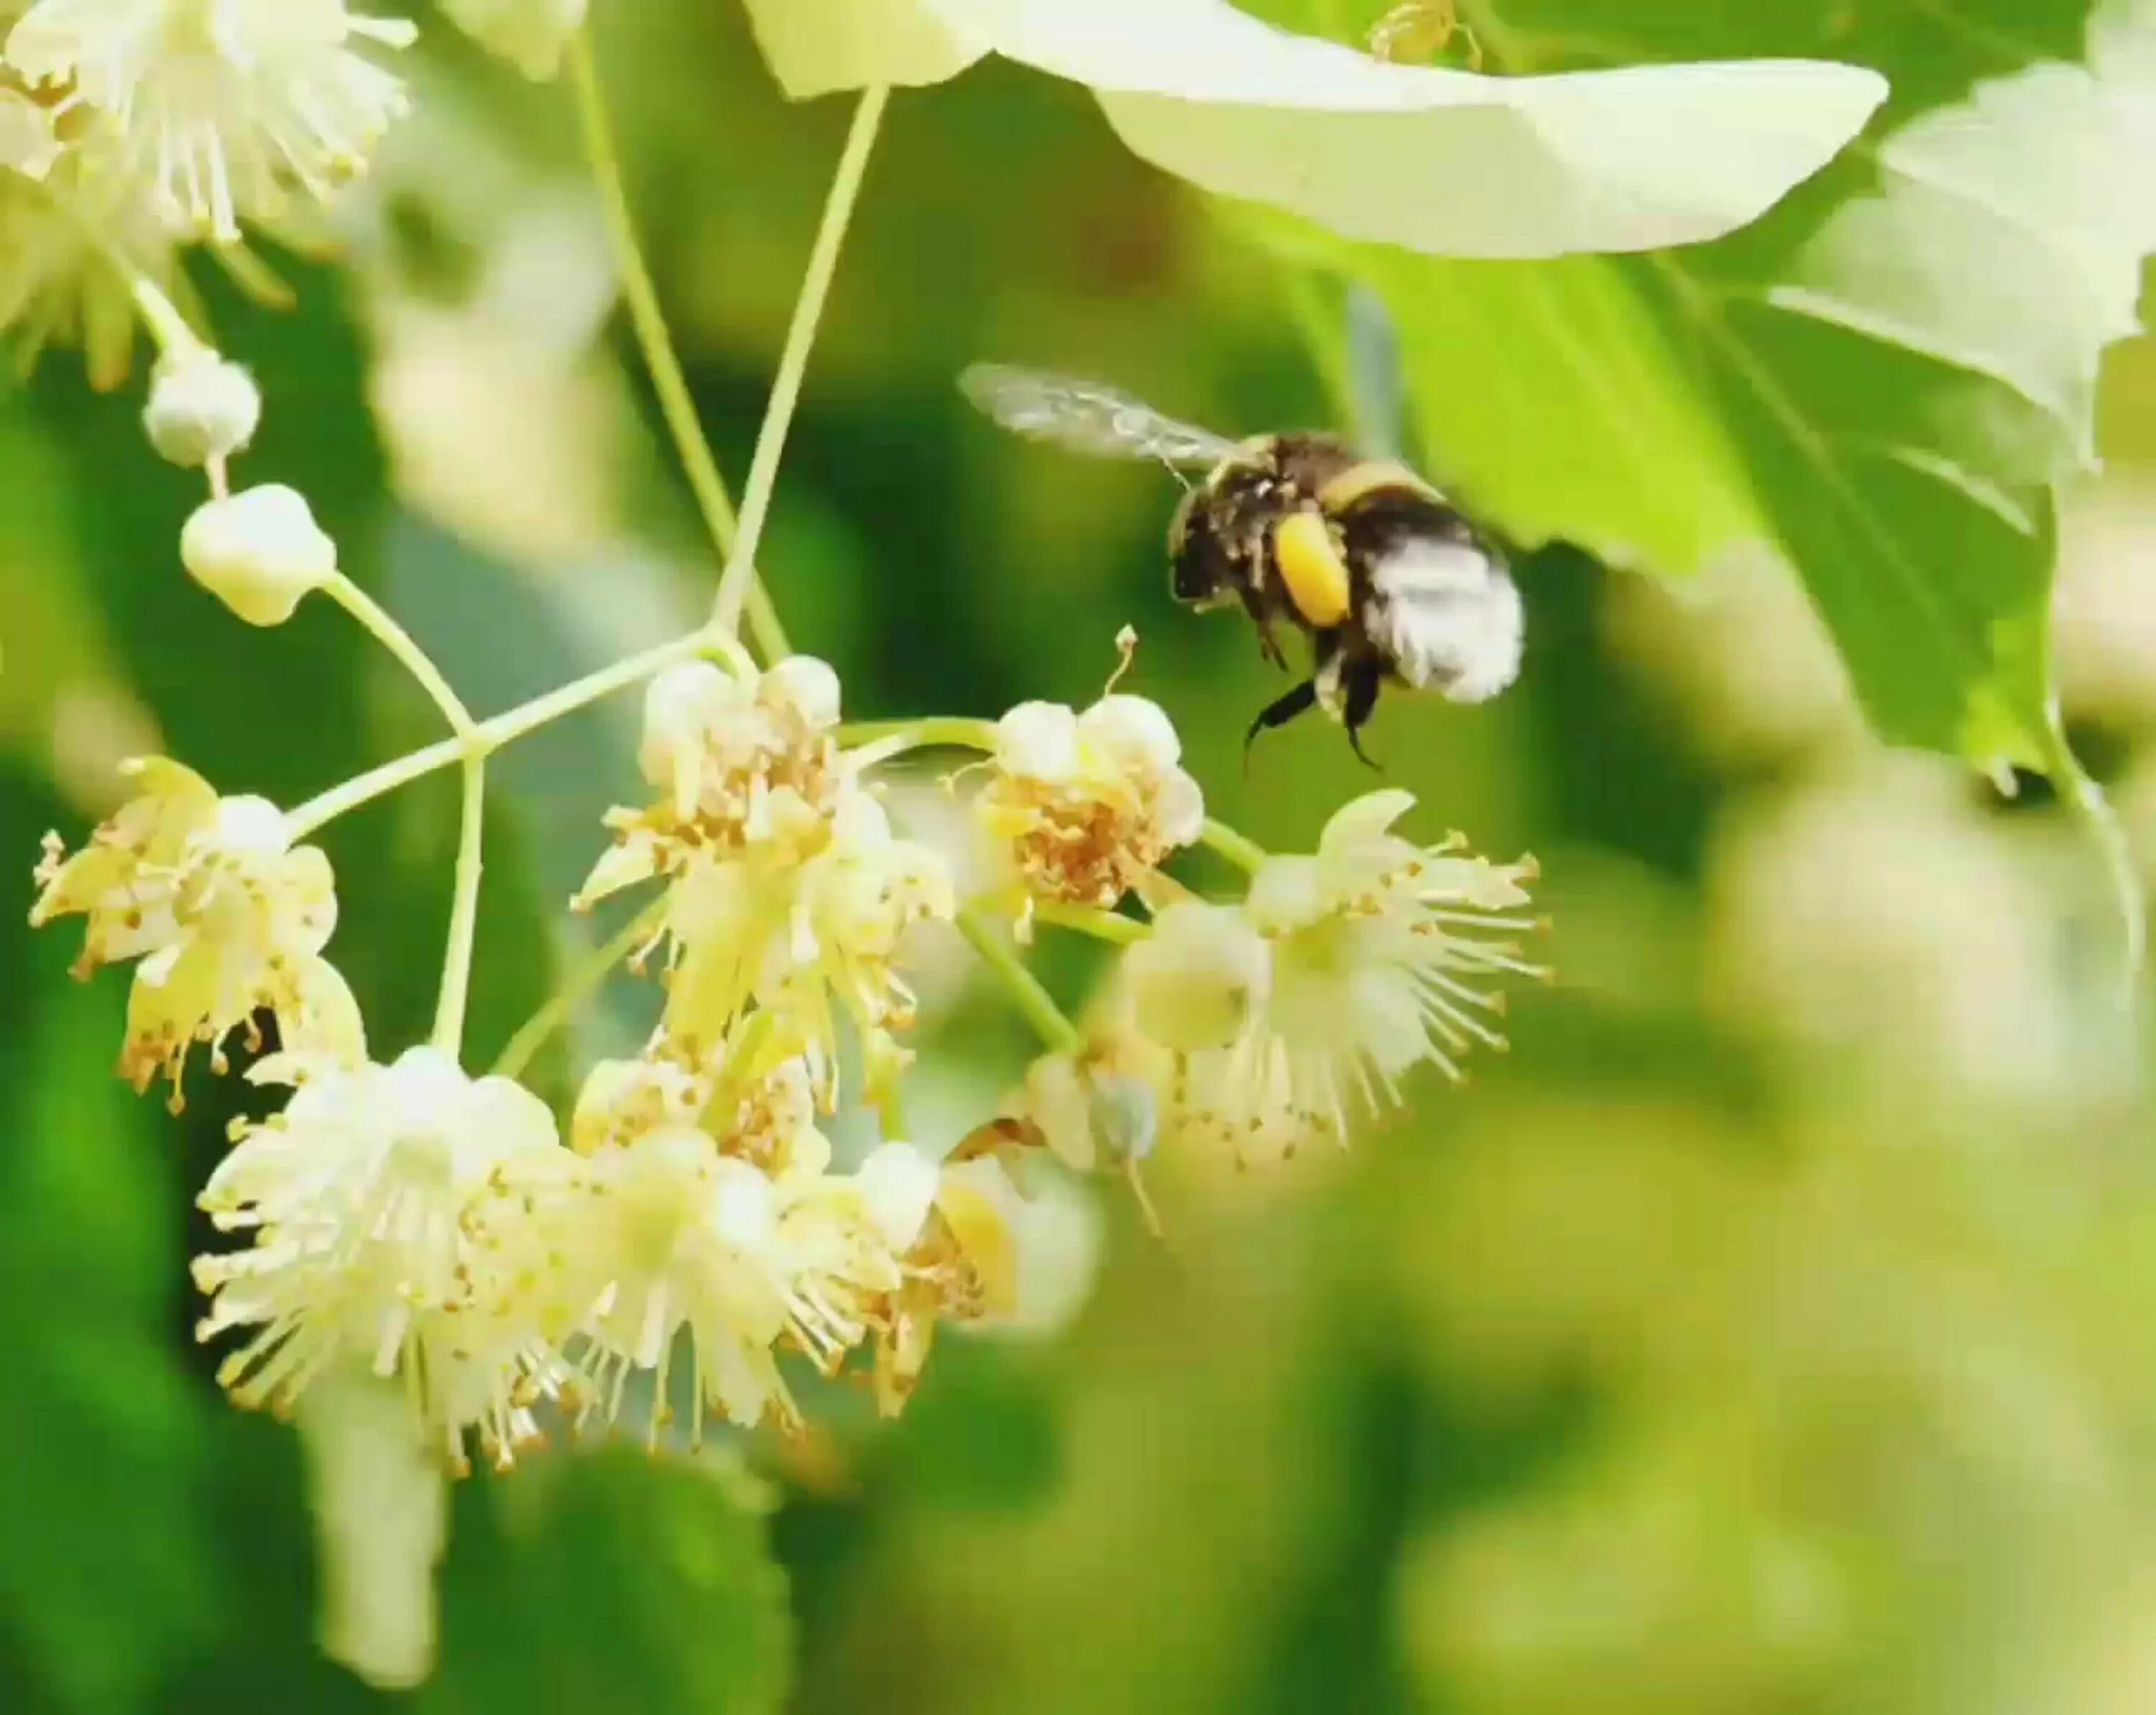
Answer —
(1884, 378)
(103, 1449)
(573, 1573)
(1440, 161)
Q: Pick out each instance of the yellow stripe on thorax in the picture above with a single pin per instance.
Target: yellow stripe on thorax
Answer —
(1311, 566)
(1359, 481)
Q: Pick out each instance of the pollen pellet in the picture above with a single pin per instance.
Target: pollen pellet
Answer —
(1311, 567)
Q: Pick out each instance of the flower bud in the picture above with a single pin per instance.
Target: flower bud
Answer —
(897, 1183)
(258, 552)
(807, 686)
(1040, 742)
(202, 408)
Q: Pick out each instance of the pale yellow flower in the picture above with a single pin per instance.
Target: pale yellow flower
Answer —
(226, 918)
(399, 1218)
(809, 930)
(788, 892)
(769, 1101)
(738, 765)
(957, 1228)
(1084, 808)
(680, 1240)
(62, 218)
(1339, 974)
(219, 109)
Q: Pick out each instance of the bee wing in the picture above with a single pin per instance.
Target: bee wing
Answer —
(1088, 418)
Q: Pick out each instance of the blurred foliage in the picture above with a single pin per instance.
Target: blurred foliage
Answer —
(1770, 1332)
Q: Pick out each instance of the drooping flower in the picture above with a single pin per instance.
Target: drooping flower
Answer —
(219, 108)
(738, 765)
(1445, 161)
(809, 931)
(1340, 972)
(956, 1230)
(62, 220)
(789, 891)
(398, 1216)
(530, 34)
(682, 1239)
(1084, 808)
(769, 1100)
(225, 916)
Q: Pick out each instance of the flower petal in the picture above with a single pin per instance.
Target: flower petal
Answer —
(1362, 820)
(1443, 161)
(898, 1183)
(817, 46)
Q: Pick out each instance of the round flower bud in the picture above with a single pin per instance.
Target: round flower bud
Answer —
(258, 552)
(1038, 740)
(1135, 729)
(807, 686)
(202, 408)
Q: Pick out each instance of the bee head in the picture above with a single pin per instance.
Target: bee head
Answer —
(1199, 572)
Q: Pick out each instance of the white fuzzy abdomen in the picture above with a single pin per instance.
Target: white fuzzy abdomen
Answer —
(1450, 617)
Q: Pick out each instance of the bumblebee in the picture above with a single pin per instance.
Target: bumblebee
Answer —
(1393, 583)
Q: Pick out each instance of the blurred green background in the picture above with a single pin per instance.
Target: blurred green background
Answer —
(1770, 1332)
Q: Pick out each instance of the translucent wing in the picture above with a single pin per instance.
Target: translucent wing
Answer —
(1088, 418)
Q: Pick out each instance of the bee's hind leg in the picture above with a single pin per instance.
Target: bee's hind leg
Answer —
(1279, 712)
(1364, 680)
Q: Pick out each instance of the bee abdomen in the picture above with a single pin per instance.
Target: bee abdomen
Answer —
(1447, 615)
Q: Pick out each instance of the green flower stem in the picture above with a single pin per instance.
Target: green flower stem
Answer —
(464, 899)
(401, 644)
(497, 731)
(1056, 1032)
(167, 326)
(1244, 853)
(1111, 926)
(892, 738)
(676, 405)
(794, 361)
(578, 987)
(463, 909)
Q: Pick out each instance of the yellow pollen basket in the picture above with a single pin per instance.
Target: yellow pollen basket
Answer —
(1311, 565)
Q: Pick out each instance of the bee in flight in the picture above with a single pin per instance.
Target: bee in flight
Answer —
(1392, 583)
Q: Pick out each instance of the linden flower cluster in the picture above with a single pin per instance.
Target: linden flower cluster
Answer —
(691, 1244)
(411, 1219)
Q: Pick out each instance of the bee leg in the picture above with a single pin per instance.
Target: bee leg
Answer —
(1364, 680)
(1267, 644)
(1279, 712)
